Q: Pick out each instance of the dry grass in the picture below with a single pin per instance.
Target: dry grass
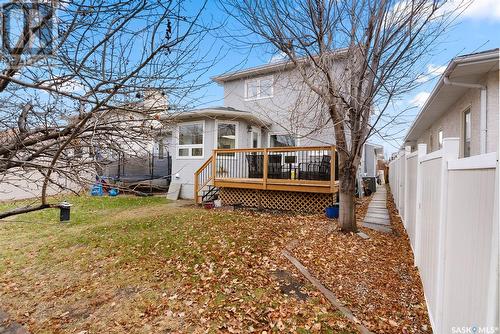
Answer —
(136, 265)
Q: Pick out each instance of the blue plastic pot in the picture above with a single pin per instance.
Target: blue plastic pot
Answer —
(332, 211)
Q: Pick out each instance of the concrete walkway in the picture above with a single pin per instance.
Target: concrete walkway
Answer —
(377, 217)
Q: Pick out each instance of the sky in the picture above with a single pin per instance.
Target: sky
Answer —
(477, 29)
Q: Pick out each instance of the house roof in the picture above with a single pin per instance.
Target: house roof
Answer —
(266, 68)
(468, 68)
(215, 112)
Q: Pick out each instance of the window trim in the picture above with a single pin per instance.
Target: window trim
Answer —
(258, 80)
(297, 139)
(440, 138)
(191, 146)
(257, 130)
(216, 132)
(464, 130)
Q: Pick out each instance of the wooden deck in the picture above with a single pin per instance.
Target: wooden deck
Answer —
(287, 169)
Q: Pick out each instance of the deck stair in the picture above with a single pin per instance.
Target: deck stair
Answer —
(209, 195)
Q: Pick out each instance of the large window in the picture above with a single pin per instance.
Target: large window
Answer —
(259, 88)
(282, 140)
(467, 133)
(191, 140)
(226, 135)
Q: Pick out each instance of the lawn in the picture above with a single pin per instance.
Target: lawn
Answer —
(142, 265)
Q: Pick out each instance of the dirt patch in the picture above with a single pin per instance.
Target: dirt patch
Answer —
(9, 326)
(290, 285)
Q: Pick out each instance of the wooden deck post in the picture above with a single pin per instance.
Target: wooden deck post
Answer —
(332, 169)
(264, 172)
(214, 159)
(196, 190)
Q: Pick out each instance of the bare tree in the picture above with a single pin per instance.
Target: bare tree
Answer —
(380, 44)
(74, 74)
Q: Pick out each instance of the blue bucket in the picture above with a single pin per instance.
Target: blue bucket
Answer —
(332, 211)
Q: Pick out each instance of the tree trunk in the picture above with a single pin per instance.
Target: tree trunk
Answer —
(347, 200)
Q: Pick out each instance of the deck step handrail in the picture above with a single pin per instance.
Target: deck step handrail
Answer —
(202, 177)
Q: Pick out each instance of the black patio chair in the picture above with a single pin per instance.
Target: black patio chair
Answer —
(255, 166)
(312, 170)
(274, 166)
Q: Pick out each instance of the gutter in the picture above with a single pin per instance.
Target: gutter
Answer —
(474, 58)
(483, 111)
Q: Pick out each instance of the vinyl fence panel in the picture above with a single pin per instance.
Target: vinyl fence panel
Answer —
(429, 230)
(450, 212)
(411, 202)
(468, 247)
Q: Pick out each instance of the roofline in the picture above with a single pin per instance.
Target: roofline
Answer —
(463, 59)
(266, 68)
(217, 111)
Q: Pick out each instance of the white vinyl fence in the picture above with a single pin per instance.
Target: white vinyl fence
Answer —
(449, 208)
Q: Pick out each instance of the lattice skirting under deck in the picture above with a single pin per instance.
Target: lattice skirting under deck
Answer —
(277, 200)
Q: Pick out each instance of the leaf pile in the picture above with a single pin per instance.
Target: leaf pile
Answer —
(375, 278)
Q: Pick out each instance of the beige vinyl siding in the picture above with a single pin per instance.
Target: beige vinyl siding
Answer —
(452, 121)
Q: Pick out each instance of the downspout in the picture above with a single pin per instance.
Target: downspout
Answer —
(483, 129)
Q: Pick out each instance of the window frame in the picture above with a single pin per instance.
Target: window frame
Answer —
(258, 131)
(440, 138)
(190, 147)
(237, 132)
(258, 80)
(466, 140)
(297, 139)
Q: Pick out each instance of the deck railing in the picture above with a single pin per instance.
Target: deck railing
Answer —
(307, 169)
(202, 178)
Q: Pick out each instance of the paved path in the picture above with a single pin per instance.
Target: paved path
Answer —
(377, 217)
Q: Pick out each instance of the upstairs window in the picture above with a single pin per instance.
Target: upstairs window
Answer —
(440, 139)
(259, 88)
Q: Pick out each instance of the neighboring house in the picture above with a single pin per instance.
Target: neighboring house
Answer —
(140, 151)
(445, 188)
(372, 154)
(267, 106)
(464, 104)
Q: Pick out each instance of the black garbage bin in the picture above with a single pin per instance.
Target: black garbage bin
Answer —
(370, 182)
(64, 213)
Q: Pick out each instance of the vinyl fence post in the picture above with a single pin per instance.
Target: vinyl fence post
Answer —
(493, 315)
(450, 151)
(405, 186)
(422, 151)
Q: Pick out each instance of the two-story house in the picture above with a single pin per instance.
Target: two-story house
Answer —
(268, 106)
